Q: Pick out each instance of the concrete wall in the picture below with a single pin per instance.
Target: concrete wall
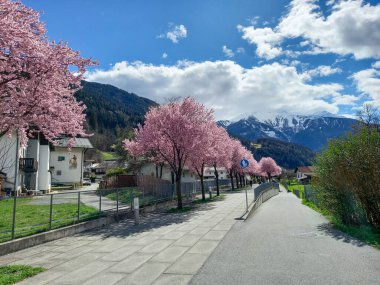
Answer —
(70, 172)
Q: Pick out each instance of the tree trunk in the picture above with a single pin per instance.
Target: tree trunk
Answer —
(178, 189)
(217, 181)
(202, 188)
(232, 181)
(156, 171)
(161, 167)
(237, 181)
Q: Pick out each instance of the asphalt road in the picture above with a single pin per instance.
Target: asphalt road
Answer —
(285, 242)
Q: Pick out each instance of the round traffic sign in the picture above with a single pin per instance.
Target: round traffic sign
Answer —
(244, 163)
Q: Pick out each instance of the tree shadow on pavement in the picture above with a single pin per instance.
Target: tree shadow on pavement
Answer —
(330, 230)
(148, 221)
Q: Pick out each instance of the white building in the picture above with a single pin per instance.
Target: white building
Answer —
(67, 167)
(39, 163)
(187, 176)
(30, 163)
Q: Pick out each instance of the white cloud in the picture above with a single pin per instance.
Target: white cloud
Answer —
(240, 50)
(376, 64)
(345, 100)
(265, 39)
(164, 55)
(323, 70)
(368, 82)
(228, 52)
(224, 85)
(352, 27)
(176, 33)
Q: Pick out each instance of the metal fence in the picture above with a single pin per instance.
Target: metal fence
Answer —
(41, 213)
(264, 192)
(265, 186)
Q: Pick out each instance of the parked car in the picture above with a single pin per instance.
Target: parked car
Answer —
(86, 182)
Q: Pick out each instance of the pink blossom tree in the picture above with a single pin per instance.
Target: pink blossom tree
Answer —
(202, 156)
(37, 78)
(269, 168)
(172, 133)
(219, 154)
(237, 152)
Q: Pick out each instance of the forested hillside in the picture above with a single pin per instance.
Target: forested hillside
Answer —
(111, 112)
(287, 155)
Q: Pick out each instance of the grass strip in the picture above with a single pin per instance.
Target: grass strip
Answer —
(363, 233)
(12, 274)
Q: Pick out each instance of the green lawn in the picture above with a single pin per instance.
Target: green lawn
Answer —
(12, 274)
(300, 188)
(107, 155)
(126, 196)
(31, 218)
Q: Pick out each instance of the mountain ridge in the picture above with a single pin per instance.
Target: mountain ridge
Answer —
(312, 131)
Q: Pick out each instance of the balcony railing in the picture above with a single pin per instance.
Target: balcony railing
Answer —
(28, 164)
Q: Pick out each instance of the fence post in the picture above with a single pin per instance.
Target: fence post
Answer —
(51, 211)
(14, 215)
(78, 217)
(100, 200)
(136, 206)
(117, 203)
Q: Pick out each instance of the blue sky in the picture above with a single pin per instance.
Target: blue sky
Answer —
(299, 56)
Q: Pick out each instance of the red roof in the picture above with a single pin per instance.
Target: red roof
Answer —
(305, 169)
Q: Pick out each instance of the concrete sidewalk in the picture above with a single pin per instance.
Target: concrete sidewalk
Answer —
(287, 243)
(163, 249)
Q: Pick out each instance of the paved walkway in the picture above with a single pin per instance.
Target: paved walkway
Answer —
(285, 242)
(163, 249)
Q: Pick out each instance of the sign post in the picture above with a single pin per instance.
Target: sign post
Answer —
(244, 163)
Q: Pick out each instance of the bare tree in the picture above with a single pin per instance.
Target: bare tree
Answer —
(369, 116)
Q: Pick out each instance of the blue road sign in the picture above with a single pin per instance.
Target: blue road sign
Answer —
(244, 163)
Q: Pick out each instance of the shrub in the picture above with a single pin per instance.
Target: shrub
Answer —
(348, 180)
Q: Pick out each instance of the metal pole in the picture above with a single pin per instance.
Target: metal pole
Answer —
(15, 188)
(246, 198)
(117, 203)
(78, 206)
(51, 211)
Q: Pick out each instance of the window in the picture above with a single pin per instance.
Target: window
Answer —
(59, 172)
(61, 158)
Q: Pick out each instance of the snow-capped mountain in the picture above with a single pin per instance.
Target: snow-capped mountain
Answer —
(312, 131)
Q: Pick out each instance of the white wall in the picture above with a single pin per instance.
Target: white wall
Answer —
(150, 169)
(9, 159)
(69, 174)
(43, 168)
(209, 171)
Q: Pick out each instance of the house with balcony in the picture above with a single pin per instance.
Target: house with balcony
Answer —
(27, 168)
(33, 168)
(67, 167)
